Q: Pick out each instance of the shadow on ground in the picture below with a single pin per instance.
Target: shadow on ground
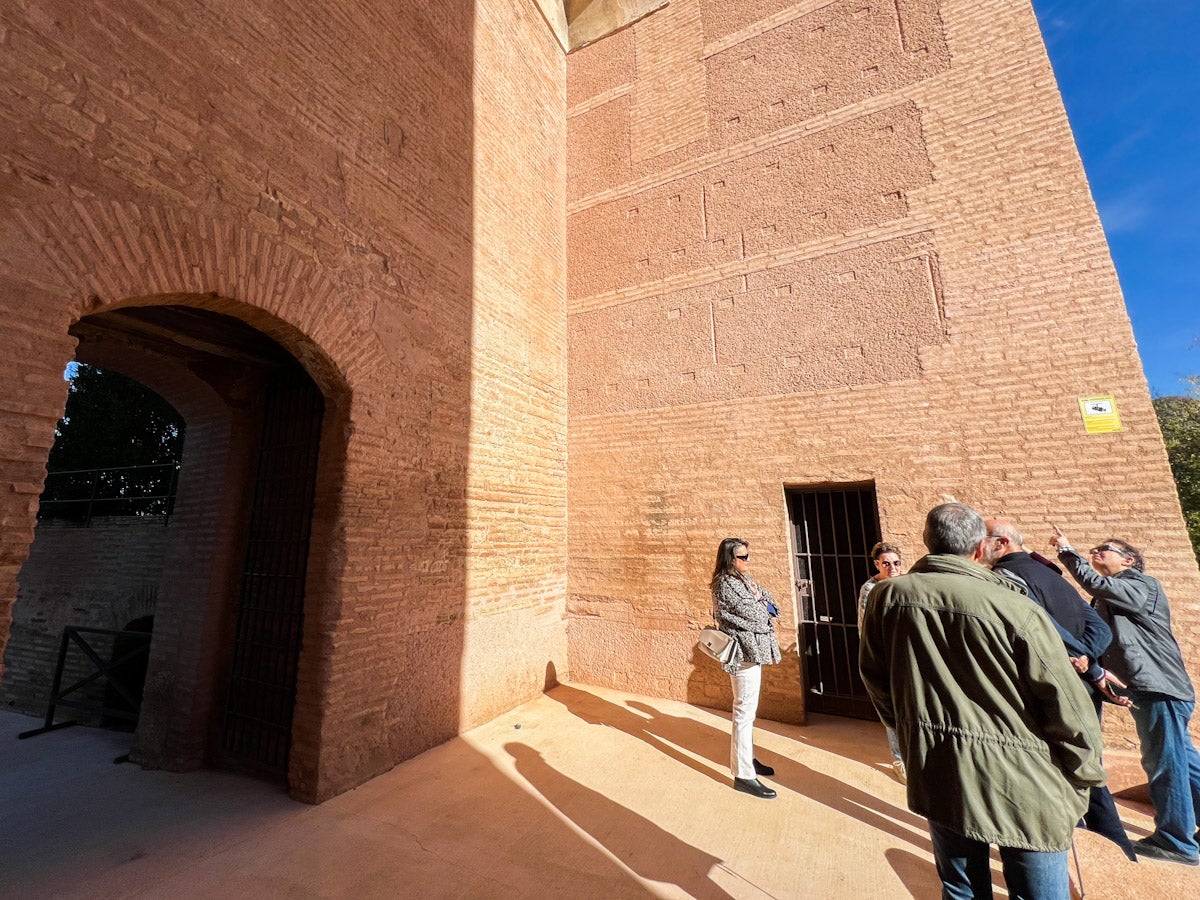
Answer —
(584, 792)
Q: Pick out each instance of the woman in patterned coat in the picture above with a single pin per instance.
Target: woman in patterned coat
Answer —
(744, 611)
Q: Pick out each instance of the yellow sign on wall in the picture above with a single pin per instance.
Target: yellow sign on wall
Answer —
(1099, 414)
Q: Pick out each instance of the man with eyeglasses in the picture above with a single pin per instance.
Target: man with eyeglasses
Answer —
(1085, 637)
(1145, 654)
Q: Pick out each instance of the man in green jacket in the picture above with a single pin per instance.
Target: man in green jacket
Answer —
(997, 732)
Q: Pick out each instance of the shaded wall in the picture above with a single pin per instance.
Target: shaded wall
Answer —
(103, 575)
(310, 168)
(220, 397)
(815, 243)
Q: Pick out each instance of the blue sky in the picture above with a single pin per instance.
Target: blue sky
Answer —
(1129, 72)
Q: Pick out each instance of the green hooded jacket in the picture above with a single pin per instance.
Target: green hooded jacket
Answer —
(999, 737)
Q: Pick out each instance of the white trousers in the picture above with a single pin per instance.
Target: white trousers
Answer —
(746, 680)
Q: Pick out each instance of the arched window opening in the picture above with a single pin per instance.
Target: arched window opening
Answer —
(188, 583)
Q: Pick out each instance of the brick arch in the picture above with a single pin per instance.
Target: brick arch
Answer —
(87, 257)
(100, 255)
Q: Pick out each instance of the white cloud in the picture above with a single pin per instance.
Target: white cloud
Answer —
(1126, 212)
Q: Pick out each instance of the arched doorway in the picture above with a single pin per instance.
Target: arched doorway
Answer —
(128, 672)
(220, 686)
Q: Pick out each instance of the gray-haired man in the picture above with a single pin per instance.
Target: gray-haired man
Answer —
(1145, 654)
(1084, 634)
(996, 729)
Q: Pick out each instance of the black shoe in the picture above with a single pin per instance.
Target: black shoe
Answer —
(1145, 848)
(760, 769)
(754, 787)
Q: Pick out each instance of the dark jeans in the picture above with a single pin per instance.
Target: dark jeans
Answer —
(963, 866)
(1102, 816)
(1173, 767)
(1103, 819)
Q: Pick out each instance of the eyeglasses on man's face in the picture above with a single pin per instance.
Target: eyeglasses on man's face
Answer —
(890, 564)
(1106, 548)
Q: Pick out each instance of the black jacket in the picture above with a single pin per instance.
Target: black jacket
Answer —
(1080, 627)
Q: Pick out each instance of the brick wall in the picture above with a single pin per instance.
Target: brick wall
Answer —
(516, 485)
(869, 254)
(101, 576)
(380, 190)
(804, 243)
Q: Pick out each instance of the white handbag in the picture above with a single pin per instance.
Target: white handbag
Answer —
(717, 644)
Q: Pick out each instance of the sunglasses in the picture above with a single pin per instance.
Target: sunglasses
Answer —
(890, 565)
(740, 556)
(1106, 548)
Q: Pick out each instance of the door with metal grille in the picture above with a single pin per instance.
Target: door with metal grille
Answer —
(834, 529)
(270, 610)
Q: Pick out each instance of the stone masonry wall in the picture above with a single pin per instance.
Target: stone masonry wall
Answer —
(379, 188)
(831, 242)
(806, 243)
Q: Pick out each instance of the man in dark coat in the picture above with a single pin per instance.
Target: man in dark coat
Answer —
(1085, 636)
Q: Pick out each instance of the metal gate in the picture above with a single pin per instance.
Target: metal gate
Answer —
(834, 529)
(270, 610)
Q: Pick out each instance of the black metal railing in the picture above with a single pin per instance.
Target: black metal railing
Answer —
(122, 699)
(79, 495)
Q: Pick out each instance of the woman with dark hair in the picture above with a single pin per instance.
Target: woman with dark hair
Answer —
(887, 564)
(744, 611)
(886, 558)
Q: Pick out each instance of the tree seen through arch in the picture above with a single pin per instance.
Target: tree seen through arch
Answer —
(116, 449)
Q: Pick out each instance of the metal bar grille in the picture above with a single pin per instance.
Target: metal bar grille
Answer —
(834, 529)
(270, 610)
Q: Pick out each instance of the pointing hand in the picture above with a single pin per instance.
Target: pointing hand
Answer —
(1059, 540)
